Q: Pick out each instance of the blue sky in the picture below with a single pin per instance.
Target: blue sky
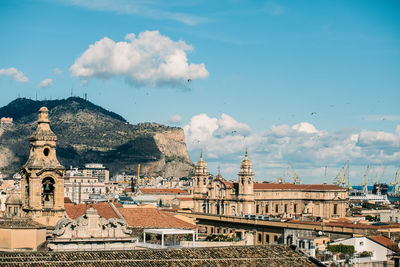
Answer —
(315, 83)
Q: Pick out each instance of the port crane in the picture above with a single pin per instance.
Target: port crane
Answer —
(378, 173)
(365, 180)
(295, 177)
(395, 182)
(342, 178)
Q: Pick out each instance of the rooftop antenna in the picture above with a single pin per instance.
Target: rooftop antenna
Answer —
(219, 170)
(36, 95)
(71, 91)
(325, 181)
(85, 96)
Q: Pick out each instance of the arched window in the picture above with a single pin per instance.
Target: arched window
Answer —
(249, 181)
(48, 192)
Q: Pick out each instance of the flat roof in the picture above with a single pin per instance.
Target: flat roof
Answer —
(169, 231)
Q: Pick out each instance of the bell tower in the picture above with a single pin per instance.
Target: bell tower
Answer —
(200, 184)
(246, 186)
(42, 176)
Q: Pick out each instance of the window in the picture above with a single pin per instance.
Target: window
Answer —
(259, 238)
(266, 208)
(249, 181)
(397, 219)
(275, 238)
(204, 181)
(198, 180)
(335, 209)
(267, 238)
(276, 208)
(212, 230)
(15, 211)
(242, 180)
(295, 208)
(257, 208)
(285, 208)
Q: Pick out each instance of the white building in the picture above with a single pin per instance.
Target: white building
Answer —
(380, 246)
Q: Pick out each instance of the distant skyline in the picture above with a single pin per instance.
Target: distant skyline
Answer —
(315, 83)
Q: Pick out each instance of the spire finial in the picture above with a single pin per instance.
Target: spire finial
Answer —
(201, 155)
(246, 154)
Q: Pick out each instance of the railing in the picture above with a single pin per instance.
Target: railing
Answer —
(159, 246)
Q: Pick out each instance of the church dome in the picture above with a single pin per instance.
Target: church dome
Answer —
(201, 162)
(14, 198)
(246, 162)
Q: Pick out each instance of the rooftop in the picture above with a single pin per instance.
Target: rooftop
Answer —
(151, 217)
(77, 210)
(174, 191)
(300, 187)
(273, 255)
(386, 242)
(19, 223)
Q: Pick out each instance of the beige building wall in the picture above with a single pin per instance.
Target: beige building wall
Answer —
(21, 239)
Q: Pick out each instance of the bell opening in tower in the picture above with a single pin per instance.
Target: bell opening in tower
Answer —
(48, 193)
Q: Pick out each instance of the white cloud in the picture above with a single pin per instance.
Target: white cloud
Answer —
(57, 71)
(45, 83)
(150, 9)
(175, 119)
(150, 59)
(15, 74)
(224, 140)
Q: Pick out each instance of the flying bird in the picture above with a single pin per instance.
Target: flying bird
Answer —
(313, 113)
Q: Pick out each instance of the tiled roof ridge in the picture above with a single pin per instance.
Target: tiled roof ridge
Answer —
(289, 186)
(385, 241)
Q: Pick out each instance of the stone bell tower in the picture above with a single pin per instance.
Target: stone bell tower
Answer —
(42, 176)
(246, 184)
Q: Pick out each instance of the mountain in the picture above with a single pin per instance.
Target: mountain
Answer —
(88, 133)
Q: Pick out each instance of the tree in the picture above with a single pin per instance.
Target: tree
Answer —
(344, 249)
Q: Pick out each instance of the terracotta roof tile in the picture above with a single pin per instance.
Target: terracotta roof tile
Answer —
(185, 198)
(77, 210)
(350, 225)
(152, 218)
(301, 187)
(386, 242)
(274, 255)
(67, 200)
(174, 191)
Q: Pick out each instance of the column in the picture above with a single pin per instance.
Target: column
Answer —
(162, 240)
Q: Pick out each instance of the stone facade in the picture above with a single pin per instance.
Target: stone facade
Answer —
(42, 176)
(215, 195)
(91, 232)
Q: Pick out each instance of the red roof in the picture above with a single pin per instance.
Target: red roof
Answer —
(350, 225)
(67, 200)
(302, 187)
(386, 242)
(77, 210)
(185, 198)
(173, 191)
(151, 217)
(227, 184)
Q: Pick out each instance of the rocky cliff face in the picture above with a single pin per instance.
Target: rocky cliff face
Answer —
(88, 133)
